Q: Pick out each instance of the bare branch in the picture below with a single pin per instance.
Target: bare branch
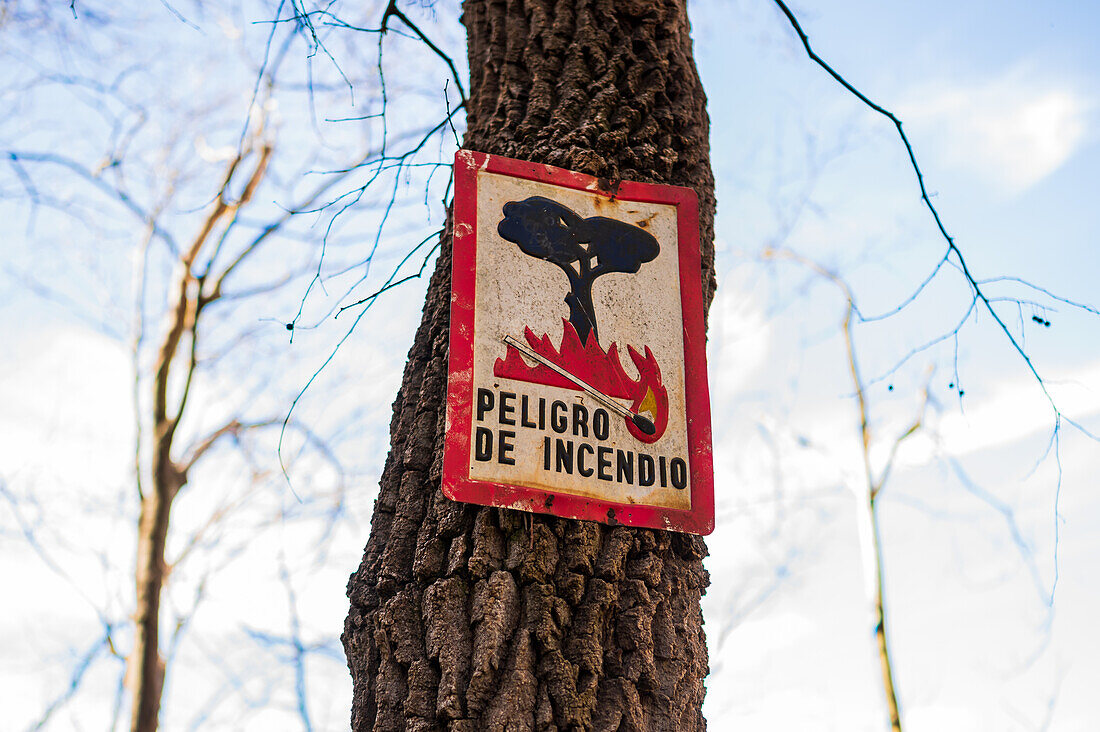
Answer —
(336, 348)
(233, 429)
(952, 248)
(114, 192)
(295, 640)
(1079, 305)
(83, 664)
(1016, 535)
(392, 10)
(918, 422)
(137, 338)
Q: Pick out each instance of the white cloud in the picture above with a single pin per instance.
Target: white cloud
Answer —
(739, 338)
(1012, 130)
(760, 638)
(944, 718)
(66, 395)
(1014, 408)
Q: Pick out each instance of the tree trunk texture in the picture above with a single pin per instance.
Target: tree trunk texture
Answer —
(471, 618)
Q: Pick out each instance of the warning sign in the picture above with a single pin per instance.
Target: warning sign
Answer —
(577, 381)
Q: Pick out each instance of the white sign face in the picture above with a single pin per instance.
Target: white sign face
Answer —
(570, 388)
(524, 296)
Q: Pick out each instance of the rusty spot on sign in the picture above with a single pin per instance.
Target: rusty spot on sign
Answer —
(610, 186)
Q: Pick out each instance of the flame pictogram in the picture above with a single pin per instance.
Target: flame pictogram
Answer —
(602, 369)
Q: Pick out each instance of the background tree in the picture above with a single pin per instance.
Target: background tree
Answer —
(188, 221)
(481, 618)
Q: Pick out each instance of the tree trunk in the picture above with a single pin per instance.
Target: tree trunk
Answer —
(146, 665)
(472, 618)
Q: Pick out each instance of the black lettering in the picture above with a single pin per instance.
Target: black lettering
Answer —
(542, 413)
(558, 421)
(586, 472)
(603, 462)
(679, 473)
(580, 420)
(624, 463)
(545, 452)
(483, 444)
(507, 407)
(601, 424)
(505, 446)
(484, 403)
(523, 420)
(645, 469)
(664, 472)
(563, 456)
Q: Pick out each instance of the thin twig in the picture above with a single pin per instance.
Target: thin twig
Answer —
(335, 350)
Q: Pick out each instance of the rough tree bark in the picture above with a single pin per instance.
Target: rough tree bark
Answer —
(471, 618)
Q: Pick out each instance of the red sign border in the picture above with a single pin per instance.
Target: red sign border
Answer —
(699, 519)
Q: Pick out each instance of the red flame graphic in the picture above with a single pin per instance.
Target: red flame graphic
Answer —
(602, 369)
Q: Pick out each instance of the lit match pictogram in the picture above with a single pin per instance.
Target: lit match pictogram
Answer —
(640, 421)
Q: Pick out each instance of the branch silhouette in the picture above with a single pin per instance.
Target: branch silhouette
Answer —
(952, 248)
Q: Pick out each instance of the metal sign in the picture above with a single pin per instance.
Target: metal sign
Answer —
(578, 383)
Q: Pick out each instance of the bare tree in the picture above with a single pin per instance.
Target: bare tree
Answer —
(875, 476)
(237, 226)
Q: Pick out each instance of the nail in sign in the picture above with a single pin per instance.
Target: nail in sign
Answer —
(577, 382)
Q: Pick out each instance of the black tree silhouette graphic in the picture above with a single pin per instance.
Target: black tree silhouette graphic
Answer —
(584, 249)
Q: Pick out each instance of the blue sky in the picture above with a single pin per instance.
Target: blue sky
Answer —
(1000, 102)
